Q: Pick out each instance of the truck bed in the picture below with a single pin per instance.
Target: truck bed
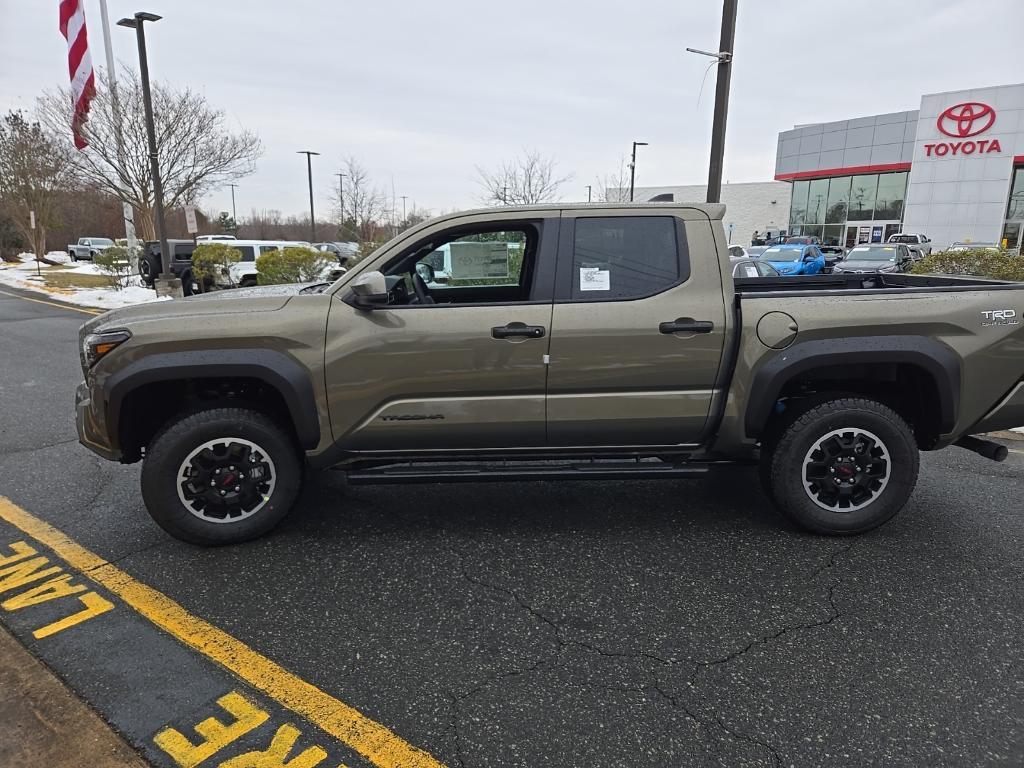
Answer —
(869, 282)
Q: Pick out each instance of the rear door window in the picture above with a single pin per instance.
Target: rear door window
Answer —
(625, 257)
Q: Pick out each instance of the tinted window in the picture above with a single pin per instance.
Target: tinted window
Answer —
(246, 251)
(816, 201)
(1015, 209)
(862, 197)
(624, 257)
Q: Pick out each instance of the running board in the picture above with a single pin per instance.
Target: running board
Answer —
(489, 474)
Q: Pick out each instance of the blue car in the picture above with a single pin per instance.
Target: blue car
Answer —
(795, 259)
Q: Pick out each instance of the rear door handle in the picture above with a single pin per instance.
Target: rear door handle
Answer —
(513, 330)
(687, 325)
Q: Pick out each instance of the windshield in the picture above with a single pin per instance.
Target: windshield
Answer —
(782, 254)
(880, 253)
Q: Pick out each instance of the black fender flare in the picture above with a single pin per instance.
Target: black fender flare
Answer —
(273, 368)
(934, 357)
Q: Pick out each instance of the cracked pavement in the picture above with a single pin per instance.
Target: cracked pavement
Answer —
(652, 623)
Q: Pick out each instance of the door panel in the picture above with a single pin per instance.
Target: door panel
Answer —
(434, 377)
(445, 376)
(614, 377)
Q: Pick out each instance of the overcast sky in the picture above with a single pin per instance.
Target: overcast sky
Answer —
(422, 93)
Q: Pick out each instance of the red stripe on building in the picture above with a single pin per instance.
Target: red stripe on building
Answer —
(1018, 159)
(849, 171)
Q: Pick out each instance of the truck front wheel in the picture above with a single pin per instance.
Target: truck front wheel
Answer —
(220, 476)
(842, 466)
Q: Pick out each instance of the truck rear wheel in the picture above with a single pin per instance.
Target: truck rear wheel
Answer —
(843, 466)
(221, 476)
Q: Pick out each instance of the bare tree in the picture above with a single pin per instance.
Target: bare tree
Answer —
(527, 180)
(614, 187)
(197, 149)
(33, 173)
(366, 205)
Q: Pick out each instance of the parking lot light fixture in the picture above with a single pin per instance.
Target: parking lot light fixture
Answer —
(166, 279)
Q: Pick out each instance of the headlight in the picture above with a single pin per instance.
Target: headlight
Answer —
(96, 346)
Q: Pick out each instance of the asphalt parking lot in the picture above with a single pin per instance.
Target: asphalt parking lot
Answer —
(645, 623)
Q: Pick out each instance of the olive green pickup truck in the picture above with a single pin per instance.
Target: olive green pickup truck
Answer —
(580, 343)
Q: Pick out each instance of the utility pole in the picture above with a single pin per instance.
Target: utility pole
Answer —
(234, 216)
(588, 192)
(309, 172)
(504, 195)
(166, 282)
(632, 167)
(724, 56)
(341, 201)
(404, 198)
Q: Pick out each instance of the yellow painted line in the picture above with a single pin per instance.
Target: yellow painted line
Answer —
(370, 739)
(55, 304)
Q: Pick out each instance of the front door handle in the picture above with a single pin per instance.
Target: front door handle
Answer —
(513, 330)
(687, 325)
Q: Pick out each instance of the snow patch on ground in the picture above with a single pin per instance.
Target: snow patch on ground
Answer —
(23, 275)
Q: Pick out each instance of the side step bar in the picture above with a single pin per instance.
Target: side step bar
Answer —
(487, 474)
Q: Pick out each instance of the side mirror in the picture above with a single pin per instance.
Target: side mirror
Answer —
(371, 290)
(425, 271)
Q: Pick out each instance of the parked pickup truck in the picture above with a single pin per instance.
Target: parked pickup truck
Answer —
(87, 247)
(619, 346)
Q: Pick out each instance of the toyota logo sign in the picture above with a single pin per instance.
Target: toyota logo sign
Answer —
(968, 119)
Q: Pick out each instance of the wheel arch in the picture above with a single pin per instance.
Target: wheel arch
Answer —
(173, 378)
(868, 365)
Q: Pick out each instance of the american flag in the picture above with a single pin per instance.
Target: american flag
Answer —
(83, 80)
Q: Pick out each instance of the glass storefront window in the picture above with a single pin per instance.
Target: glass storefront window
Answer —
(798, 208)
(862, 197)
(1015, 210)
(838, 196)
(816, 198)
(812, 229)
(833, 234)
(892, 188)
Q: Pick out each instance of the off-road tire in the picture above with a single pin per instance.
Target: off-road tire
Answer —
(164, 468)
(793, 461)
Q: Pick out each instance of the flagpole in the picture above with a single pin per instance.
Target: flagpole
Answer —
(115, 109)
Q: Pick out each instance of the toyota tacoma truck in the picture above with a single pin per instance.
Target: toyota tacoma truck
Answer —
(88, 247)
(612, 342)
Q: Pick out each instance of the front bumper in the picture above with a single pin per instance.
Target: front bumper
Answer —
(91, 425)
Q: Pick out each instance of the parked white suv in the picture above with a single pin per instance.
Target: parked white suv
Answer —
(919, 245)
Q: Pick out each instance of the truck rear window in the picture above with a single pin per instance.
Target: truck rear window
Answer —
(624, 257)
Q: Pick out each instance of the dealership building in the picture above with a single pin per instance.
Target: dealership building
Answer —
(952, 170)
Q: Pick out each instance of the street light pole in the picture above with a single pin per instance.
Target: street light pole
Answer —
(170, 284)
(724, 57)
(632, 167)
(404, 198)
(309, 171)
(234, 216)
(588, 192)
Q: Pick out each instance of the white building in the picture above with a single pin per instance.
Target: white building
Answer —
(952, 170)
(749, 206)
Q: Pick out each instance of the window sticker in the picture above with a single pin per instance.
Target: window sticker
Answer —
(595, 279)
